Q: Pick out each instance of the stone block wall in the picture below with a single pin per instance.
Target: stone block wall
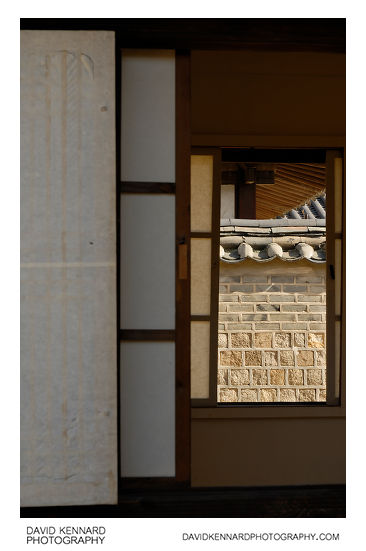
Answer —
(272, 329)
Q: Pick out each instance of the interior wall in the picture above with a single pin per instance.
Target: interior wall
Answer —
(268, 93)
(267, 99)
(266, 452)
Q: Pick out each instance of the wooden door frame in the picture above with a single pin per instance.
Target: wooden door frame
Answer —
(320, 35)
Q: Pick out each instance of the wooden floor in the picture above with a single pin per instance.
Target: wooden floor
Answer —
(286, 502)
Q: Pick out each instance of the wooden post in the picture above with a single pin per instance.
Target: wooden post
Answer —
(246, 203)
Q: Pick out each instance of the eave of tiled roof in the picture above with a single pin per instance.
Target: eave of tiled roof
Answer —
(299, 235)
(263, 244)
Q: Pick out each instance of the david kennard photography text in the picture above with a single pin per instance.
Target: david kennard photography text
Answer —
(66, 534)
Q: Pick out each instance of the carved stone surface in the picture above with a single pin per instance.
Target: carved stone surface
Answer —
(68, 273)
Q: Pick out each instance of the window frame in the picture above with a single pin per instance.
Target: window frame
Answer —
(334, 406)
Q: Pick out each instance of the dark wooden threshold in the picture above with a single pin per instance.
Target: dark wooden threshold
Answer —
(326, 501)
(147, 334)
(150, 483)
(147, 187)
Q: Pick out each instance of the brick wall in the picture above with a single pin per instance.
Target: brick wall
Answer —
(272, 332)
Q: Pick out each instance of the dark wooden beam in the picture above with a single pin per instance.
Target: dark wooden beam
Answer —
(251, 155)
(319, 35)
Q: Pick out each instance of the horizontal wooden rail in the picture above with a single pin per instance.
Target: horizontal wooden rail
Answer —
(147, 187)
(147, 335)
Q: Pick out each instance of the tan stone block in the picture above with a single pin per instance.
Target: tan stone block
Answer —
(287, 395)
(265, 325)
(253, 298)
(239, 377)
(229, 279)
(229, 317)
(314, 376)
(228, 298)
(322, 395)
(263, 340)
(236, 307)
(318, 326)
(254, 279)
(239, 326)
(222, 340)
(295, 377)
(287, 357)
(321, 357)
(231, 357)
(268, 395)
(299, 339)
(295, 326)
(305, 357)
(319, 289)
(253, 357)
(277, 377)
(282, 317)
(309, 298)
(248, 395)
(228, 395)
(254, 317)
(241, 340)
(259, 376)
(307, 395)
(222, 376)
(316, 340)
(309, 279)
(282, 340)
(270, 357)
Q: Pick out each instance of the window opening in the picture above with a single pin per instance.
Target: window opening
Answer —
(272, 282)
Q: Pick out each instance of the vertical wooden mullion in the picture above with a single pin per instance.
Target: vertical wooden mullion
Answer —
(247, 201)
(330, 283)
(342, 390)
(332, 273)
(215, 269)
(183, 294)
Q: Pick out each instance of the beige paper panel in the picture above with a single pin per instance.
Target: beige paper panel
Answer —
(200, 276)
(200, 359)
(201, 192)
(338, 194)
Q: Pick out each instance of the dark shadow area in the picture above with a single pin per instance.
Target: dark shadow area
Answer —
(271, 502)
